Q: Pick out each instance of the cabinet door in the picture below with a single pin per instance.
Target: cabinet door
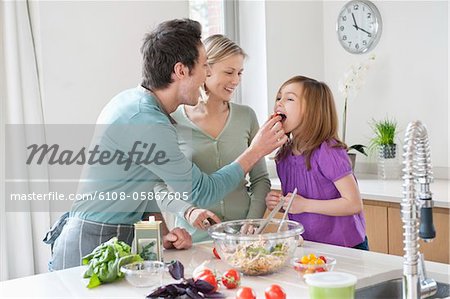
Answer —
(437, 250)
(376, 226)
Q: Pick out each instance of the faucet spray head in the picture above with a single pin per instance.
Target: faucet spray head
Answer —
(426, 228)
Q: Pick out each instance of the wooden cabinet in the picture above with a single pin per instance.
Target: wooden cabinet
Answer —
(384, 228)
(437, 250)
(376, 225)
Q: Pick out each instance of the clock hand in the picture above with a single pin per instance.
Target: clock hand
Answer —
(354, 21)
(365, 31)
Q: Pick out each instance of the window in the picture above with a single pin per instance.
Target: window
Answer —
(217, 17)
(210, 14)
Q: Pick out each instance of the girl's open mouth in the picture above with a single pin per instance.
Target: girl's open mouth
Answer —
(283, 116)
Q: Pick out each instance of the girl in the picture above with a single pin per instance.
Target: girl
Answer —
(315, 161)
(216, 131)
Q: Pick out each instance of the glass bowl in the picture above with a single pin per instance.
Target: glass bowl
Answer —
(316, 265)
(256, 254)
(144, 274)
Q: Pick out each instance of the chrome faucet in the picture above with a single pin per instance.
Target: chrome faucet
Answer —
(416, 174)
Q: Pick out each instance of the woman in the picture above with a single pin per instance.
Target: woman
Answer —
(215, 132)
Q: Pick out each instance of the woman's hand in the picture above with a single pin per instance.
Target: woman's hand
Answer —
(298, 204)
(198, 218)
(272, 199)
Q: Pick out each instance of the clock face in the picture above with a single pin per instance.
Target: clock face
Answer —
(359, 26)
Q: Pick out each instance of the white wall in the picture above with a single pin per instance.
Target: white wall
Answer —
(409, 78)
(294, 42)
(91, 50)
(252, 35)
(407, 81)
(278, 38)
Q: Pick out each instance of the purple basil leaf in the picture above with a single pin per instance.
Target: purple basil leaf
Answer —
(203, 286)
(190, 282)
(192, 293)
(172, 290)
(215, 295)
(181, 290)
(176, 270)
(159, 292)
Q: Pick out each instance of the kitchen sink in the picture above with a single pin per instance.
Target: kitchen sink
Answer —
(393, 289)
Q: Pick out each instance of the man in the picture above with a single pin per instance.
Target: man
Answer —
(136, 124)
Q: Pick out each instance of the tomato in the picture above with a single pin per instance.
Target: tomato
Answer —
(275, 292)
(216, 254)
(203, 272)
(231, 279)
(319, 262)
(321, 269)
(283, 116)
(304, 259)
(311, 257)
(245, 293)
(323, 259)
(210, 278)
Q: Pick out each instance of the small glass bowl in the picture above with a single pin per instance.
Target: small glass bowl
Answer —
(303, 269)
(144, 274)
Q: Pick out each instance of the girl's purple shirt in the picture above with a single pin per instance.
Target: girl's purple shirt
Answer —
(328, 164)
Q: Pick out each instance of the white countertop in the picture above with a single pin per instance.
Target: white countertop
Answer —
(391, 190)
(369, 267)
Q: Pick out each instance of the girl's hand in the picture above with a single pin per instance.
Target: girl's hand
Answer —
(298, 204)
(272, 199)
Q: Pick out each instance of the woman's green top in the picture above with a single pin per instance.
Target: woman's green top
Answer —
(211, 154)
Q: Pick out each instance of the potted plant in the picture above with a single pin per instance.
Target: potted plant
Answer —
(384, 139)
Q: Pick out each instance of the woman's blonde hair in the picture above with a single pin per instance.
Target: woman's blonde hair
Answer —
(319, 121)
(219, 47)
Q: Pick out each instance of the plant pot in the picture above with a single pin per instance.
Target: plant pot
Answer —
(387, 151)
(352, 158)
(388, 164)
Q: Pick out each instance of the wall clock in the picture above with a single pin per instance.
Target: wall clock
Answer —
(359, 26)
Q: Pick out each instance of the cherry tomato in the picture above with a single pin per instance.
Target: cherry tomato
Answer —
(321, 269)
(211, 279)
(304, 259)
(245, 293)
(323, 259)
(216, 254)
(275, 292)
(311, 257)
(319, 262)
(203, 272)
(231, 279)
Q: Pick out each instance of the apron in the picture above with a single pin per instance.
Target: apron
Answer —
(72, 238)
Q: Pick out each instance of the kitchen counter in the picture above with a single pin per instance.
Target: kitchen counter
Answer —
(391, 190)
(369, 267)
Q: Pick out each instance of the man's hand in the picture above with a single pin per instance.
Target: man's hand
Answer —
(198, 218)
(177, 238)
(270, 136)
(272, 199)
